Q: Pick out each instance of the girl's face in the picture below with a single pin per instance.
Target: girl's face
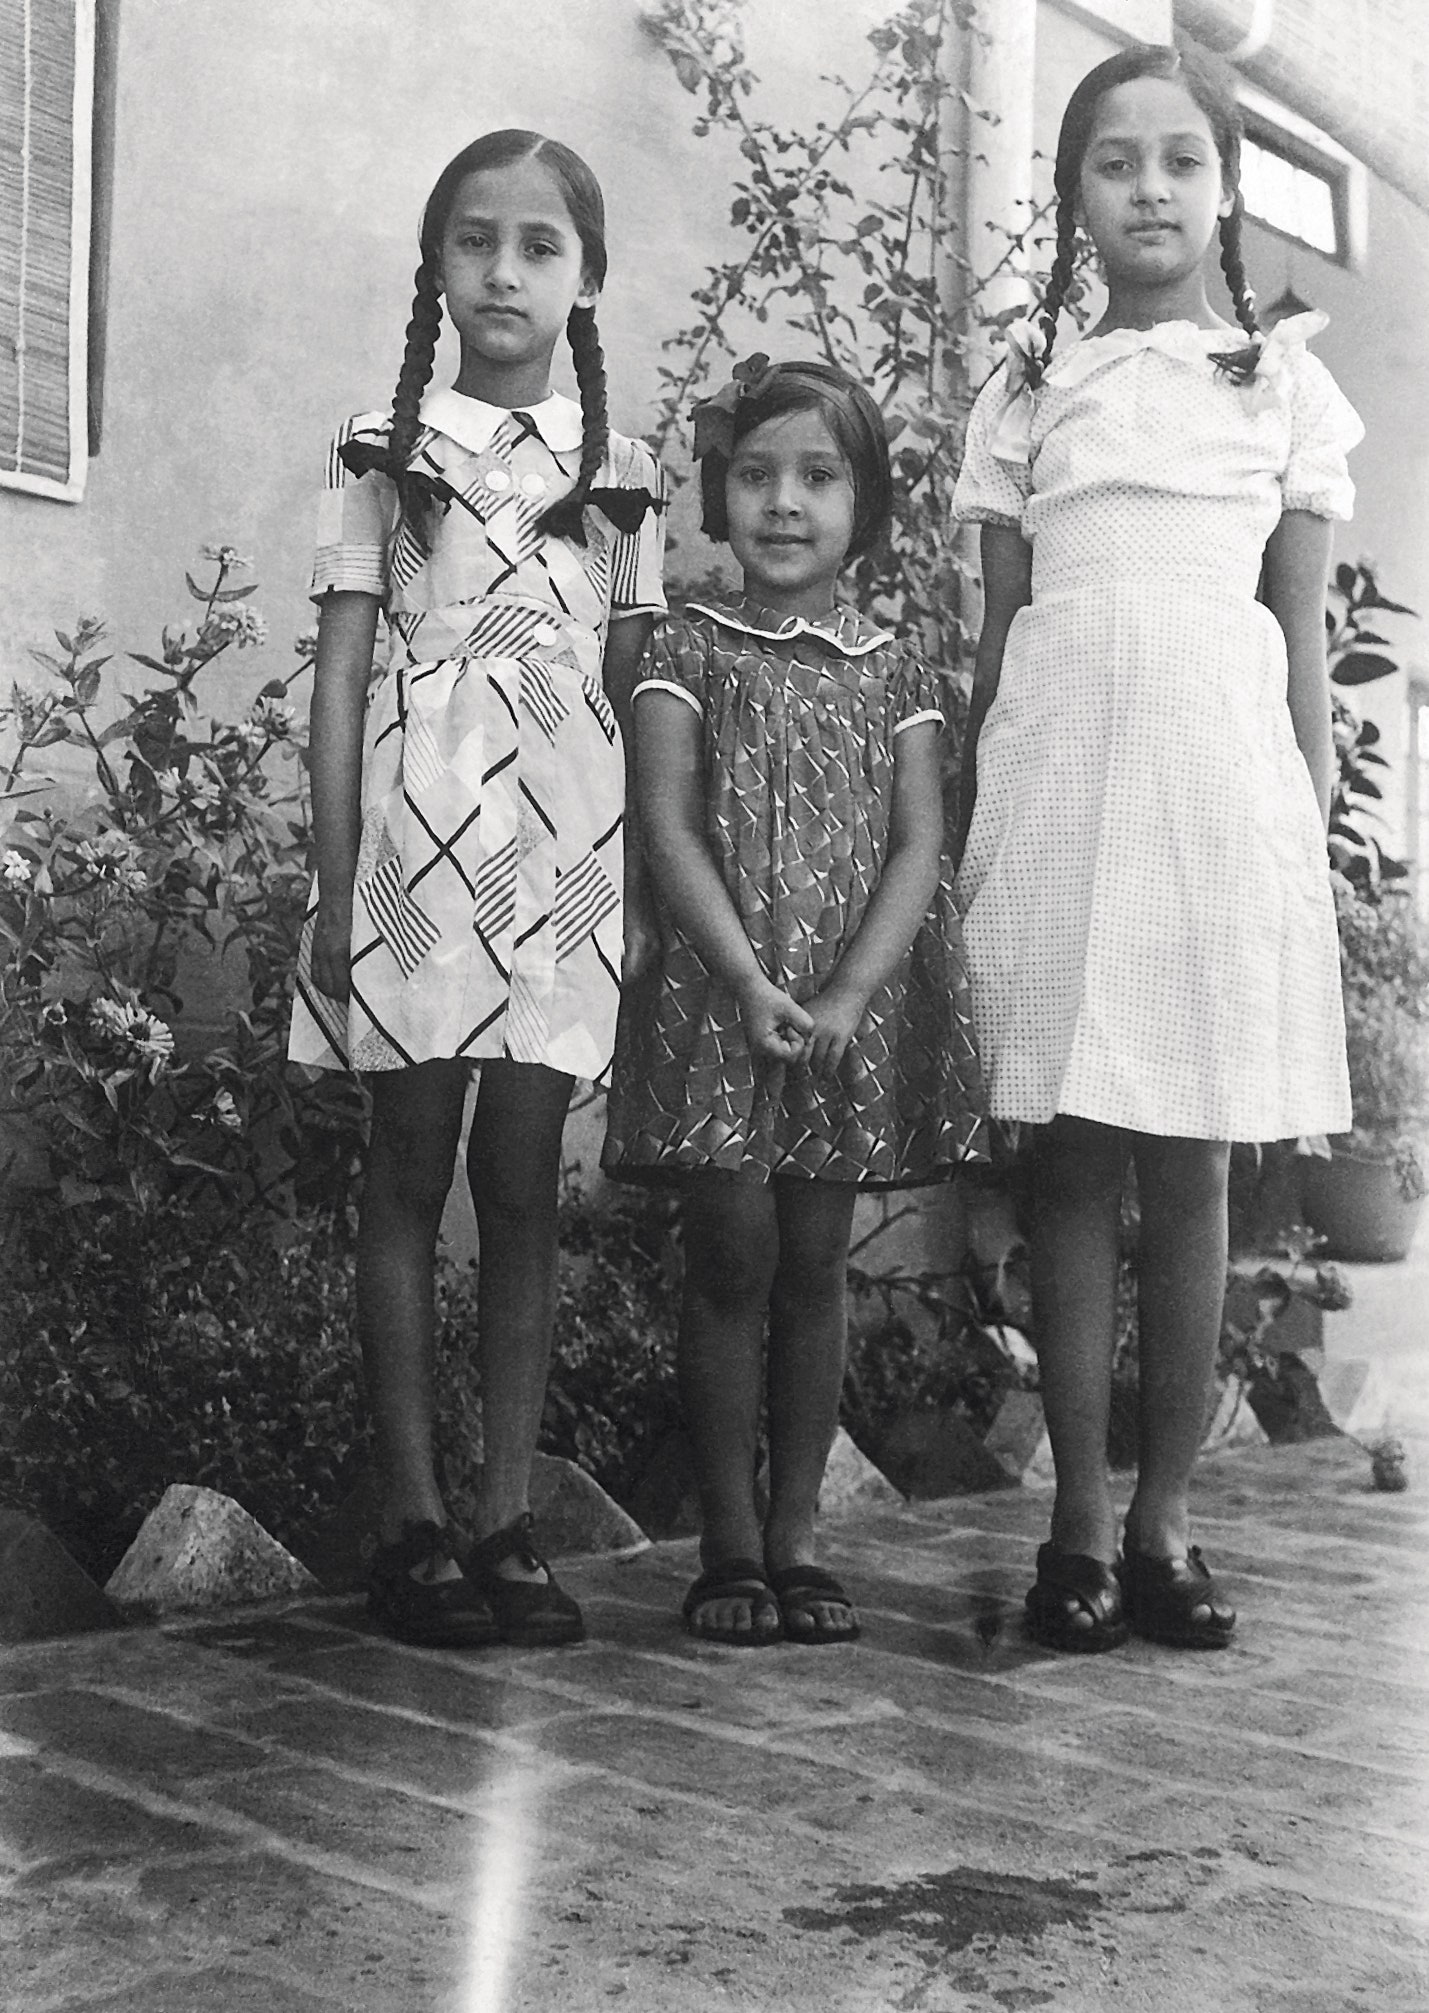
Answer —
(789, 496)
(512, 268)
(1152, 187)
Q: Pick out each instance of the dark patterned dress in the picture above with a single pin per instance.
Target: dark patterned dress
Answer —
(800, 722)
(487, 910)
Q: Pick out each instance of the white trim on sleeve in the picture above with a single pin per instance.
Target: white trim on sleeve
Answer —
(668, 685)
(917, 720)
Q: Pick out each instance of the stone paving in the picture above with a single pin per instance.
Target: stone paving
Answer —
(280, 1811)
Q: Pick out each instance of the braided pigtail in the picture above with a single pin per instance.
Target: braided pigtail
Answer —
(413, 379)
(1233, 266)
(1238, 365)
(1058, 285)
(563, 518)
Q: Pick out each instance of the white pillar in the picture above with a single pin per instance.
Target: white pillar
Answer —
(1001, 73)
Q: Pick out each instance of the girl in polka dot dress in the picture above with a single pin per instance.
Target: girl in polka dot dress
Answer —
(467, 807)
(1148, 918)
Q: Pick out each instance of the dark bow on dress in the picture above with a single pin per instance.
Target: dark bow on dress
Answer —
(365, 457)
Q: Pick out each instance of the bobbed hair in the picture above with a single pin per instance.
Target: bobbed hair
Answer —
(858, 432)
(586, 205)
(1206, 89)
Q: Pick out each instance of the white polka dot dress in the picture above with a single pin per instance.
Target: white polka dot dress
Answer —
(1147, 910)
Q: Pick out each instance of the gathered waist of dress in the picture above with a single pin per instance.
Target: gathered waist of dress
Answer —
(1083, 573)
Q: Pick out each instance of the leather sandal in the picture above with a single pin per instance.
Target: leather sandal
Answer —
(530, 1614)
(1069, 1585)
(800, 1591)
(438, 1614)
(734, 1580)
(1162, 1596)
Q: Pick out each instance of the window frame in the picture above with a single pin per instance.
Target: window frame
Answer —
(1278, 130)
(70, 487)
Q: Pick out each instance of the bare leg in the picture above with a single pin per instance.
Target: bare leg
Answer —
(731, 1248)
(513, 1164)
(808, 1339)
(1182, 1184)
(416, 1123)
(1078, 1172)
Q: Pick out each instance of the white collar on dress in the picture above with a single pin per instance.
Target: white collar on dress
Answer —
(848, 631)
(471, 422)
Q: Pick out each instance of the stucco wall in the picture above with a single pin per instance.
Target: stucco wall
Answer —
(271, 163)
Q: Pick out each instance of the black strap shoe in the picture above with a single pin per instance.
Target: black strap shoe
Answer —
(530, 1614)
(437, 1614)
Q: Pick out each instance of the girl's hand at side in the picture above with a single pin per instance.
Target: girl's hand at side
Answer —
(643, 942)
(775, 1026)
(837, 1017)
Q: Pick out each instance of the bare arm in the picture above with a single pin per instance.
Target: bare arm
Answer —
(899, 903)
(347, 631)
(625, 645)
(1007, 587)
(670, 793)
(1297, 562)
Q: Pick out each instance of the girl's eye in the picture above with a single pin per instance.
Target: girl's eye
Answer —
(541, 250)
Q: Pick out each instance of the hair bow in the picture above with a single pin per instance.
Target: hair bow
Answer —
(365, 457)
(714, 416)
(625, 508)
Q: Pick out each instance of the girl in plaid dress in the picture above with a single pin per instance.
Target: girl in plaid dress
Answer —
(468, 798)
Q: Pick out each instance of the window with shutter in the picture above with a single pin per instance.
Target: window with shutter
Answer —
(46, 122)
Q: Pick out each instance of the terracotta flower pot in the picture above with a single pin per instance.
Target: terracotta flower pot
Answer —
(1357, 1207)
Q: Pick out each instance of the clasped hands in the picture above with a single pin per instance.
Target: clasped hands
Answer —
(780, 1030)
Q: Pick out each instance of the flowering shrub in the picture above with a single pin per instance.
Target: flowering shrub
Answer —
(1384, 973)
(185, 850)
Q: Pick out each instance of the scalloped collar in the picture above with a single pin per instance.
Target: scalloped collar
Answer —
(471, 422)
(850, 633)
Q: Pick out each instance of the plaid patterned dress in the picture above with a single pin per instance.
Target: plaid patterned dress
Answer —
(800, 721)
(487, 910)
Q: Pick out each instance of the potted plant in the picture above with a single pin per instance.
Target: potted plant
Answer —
(1366, 1198)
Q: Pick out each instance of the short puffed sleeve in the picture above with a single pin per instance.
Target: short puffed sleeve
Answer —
(990, 490)
(638, 557)
(677, 661)
(356, 514)
(1324, 426)
(915, 693)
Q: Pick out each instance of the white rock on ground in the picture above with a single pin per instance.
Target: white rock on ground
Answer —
(575, 1515)
(1356, 1395)
(1233, 1422)
(199, 1549)
(43, 1592)
(851, 1481)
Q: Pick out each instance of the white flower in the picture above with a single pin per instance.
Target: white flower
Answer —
(15, 869)
(273, 719)
(226, 1112)
(229, 624)
(152, 1040)
(226, 555)
(306, 643)
(55, 1014)
(113, 1018)
(114, 856)
(1026, 344)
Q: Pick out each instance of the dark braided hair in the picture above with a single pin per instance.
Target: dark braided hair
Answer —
(583, 199)
(1207, 89)
(563, 518)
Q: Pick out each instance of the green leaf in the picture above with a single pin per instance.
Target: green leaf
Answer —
(199, 593)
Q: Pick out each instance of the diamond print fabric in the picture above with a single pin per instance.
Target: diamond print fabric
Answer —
(487, 910)
(799, 724)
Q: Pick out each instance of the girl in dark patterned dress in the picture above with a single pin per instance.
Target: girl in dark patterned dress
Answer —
(799, 1036)
(468, 795)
